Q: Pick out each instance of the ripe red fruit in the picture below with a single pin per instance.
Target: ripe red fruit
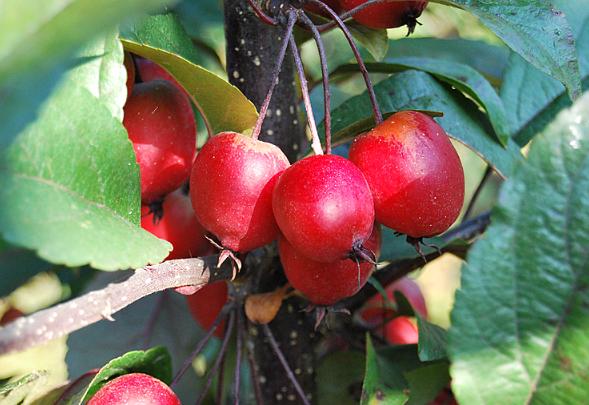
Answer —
(160, 123)
(323, 207)
(387, 15)
(414, 173)
(375, 311)
(130, 68)
(149, 71)
(135, 388)
(231, 189)
(206, 303)
(177, 225)
(326, 283)
(401, 331)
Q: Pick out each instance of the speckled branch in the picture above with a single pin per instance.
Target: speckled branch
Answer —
(102, 304)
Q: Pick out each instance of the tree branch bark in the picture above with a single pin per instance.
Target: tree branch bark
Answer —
(95, 306)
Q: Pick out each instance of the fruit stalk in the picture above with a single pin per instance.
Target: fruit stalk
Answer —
(325, 78)
(361, 64)
(316, 142)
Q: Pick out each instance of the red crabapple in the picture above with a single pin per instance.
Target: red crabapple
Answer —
(134, 388)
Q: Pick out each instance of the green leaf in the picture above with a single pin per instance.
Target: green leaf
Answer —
(103, 74)
(17, 266)
(339, 377)
(69, 188)
(521, 313)
(531, 97)
(37, 41)
(376, 42)
(394, 375)
(413, 90)
(432, 341)
(534, 29)
(155, 362)
(162, 39)
(462, 77)
(490, 60)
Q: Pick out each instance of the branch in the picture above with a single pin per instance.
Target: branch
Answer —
(466, 231)
(95, 306)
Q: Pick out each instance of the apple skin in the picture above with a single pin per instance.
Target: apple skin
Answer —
(323, 207)
(386, 15)
(135, 388)
(231, 189)
(414, 173)
(327, 283)
(205, 304)
(401, 331)
(178, 226)
(161, 126)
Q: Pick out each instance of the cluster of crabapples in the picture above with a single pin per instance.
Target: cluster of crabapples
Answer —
(324, 210)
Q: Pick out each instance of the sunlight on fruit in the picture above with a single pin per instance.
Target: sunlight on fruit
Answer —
(439, 281)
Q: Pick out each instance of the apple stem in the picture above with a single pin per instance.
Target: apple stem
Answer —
(315, 141)
(292, 18)
(285, 365)
(375, 107)
(325, 76)
(265, 18)
(221, 377)
(201, 343)
(239, 335)
(218, 360)
(255, 376)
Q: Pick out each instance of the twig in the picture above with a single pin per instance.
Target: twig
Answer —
(325, 76)
(285, 365)
(95, 306)
(255, 376)
(475, 196)
(202, 342)
(260, 14)
(316, 142)
(275, 73)
(239, 336)
(399, 269)
(221, 380)
(361, 65)
(219, 358)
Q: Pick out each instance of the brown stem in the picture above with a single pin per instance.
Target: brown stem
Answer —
(97, 305)
(239, 343)
(219, 359)
(202, 342)
(265, 18)
(285, 365)
(353, 11)
(325, 77)
(316, 142)
(361, 65)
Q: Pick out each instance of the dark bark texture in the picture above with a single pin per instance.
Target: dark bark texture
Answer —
(252, 48)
